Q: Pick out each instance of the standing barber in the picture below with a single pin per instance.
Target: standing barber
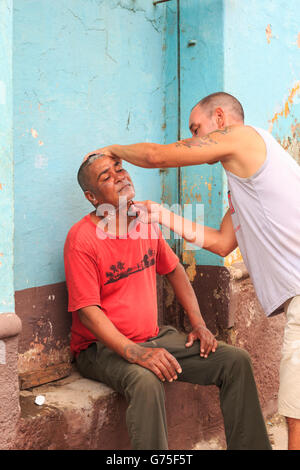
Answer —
(263, 217)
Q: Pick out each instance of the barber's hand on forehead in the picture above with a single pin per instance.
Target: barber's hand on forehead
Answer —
(105, 151)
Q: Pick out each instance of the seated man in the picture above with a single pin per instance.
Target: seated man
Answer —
(111, 278)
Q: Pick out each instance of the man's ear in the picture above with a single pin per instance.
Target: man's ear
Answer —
(90, 197)
(220, 117)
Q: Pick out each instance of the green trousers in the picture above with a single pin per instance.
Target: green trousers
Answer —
(228, 368)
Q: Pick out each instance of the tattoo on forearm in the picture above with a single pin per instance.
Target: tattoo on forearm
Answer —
(202, 141)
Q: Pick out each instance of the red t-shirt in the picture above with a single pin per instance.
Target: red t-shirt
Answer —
(117, 274)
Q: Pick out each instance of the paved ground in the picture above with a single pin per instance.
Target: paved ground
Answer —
(277, 431)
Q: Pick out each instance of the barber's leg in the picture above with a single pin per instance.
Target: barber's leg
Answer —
(144, 392)
(230, 369)
(293, 433)
(289, 389)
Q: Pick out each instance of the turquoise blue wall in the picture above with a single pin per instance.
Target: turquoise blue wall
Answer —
(192, 74)
(6, 161)
(87, 73)
(170, 177)
(262, 64)
(262, 67)
(251, 50)
(202, 73)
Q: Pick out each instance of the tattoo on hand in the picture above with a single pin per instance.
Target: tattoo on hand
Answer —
(134, 353)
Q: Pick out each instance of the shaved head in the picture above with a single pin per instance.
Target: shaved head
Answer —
(223, 100)
(83, 172)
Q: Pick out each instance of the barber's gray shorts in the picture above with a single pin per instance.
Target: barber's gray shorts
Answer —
(289, 390)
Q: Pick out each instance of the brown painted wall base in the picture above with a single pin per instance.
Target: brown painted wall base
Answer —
(212, 287)
(44, 342)
(44, 349)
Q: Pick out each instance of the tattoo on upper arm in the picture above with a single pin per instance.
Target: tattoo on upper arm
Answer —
(203, 141)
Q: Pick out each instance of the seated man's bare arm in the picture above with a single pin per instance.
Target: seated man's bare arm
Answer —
(158, 360)
(186, 296)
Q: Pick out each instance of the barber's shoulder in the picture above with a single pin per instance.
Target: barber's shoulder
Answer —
(238, 133)
(249, 151)
(247, 134)
(231, 137)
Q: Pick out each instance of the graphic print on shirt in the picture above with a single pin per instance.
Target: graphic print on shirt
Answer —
(232, 211)
(119, 271)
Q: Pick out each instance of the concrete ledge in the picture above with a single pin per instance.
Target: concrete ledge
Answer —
(10, 325)
(9, 390)
(84, 414)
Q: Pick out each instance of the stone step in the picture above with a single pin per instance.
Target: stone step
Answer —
(79, 413)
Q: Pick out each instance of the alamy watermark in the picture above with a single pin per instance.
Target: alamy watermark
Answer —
(177, 221)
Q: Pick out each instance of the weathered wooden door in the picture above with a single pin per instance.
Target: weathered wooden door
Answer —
(194, 47)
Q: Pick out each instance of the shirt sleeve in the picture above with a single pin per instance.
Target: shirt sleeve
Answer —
(166, 259)
(82, 278)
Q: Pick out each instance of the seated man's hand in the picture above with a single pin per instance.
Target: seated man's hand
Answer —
(208, 343)
(158, 360)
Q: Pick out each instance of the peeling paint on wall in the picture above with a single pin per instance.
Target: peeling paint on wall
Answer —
(295, 128)
(292, 146)
(286, 108)
(40, 357)
(234, 257)
(34, 133)
(269, 33)
(209, 187)
(188, 257)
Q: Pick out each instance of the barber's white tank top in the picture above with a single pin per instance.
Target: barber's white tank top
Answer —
(265, 211)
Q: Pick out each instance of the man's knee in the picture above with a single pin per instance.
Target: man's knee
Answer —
(145, 383)
(237, 360)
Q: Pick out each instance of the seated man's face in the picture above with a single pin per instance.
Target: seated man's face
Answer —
(109, 181)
